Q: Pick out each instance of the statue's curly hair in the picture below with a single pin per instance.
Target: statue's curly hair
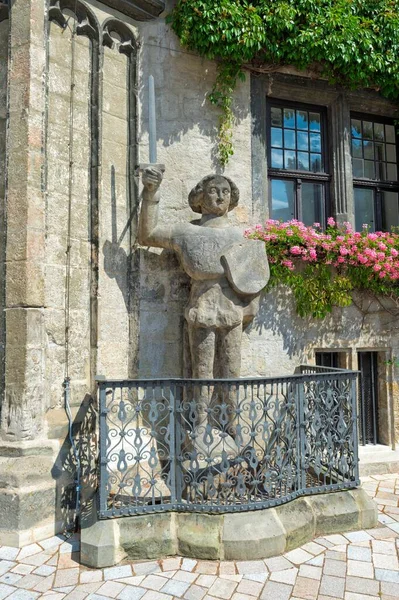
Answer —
(196, 195)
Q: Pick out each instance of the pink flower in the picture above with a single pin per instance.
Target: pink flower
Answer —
(296, 250)
(343, 251)
(372, 236)
(331, 221)
(312, 253)
(394, 252)
(340, 259)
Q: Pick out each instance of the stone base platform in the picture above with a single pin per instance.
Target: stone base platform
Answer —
(233, 536)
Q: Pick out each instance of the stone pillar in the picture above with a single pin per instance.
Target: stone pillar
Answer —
(342, 188)
(26, 457)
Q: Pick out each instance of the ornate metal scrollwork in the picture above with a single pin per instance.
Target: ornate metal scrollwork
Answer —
(127, 43)
(86, 22)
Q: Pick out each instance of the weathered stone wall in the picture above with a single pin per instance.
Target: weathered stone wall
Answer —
(4, 30)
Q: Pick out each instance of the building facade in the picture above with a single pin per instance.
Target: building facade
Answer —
(79, 297)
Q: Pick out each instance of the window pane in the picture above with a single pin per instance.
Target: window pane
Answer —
(314, 121)
(282, 199)
(356, 126)
(289, 159)
(379, 151)
(289, 118)
(367, 130)
(391, 153)
(364, 208)
(315, 142)
(390, 134)
(390, 210)
(302, 119)
(379, 132)
(277, 137)
(303, 161)
(277, 159)
(312, 203)
(315, 163)
(392, 172)
(289, 138)
(276, 117)
(357, 148)
(368, 149)
(369, 169)
(358, 167)
(303, 140)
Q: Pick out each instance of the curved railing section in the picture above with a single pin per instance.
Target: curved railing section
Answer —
(225, 445)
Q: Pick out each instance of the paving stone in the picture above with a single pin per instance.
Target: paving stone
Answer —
(10, 578)
(5, 590)
(253, 588)
(29, 551)
(44, 570)
(8, 553)
(381, 547)
(236, 578)
(29, 581)
(259, 577)
(227, 568)
(362, 586)
(335, 567)
(386, 575)
(65, 577)
(23, 595)
(390, 589)
(153, 582)
(52, 542)
(354, 596)
(278, 563)
(188, 564)
(206, 567)
(287, 576)
(385, 561)
(195, 592)
(306, 588)
(298, 556)
(206, 580)
(185, 576)
(36, 559)
(276, 591)
(222, 588)
(132, 580)
(6, 565)
(111, 589)
(152, 595)
(359, 568)
(130, 593)
(337, 539)
(91, 576)
(22, 569)
(68, 561)
(251, 566)
(166, 574)
(117, 572)
(310, 572)
(358, 536)
(317, 561)
(359, 553)
(176, 588)
(45, 585)
(332, 586)
(239, 596)
(336, 555)
(171, 564)
(144, 568)
(313, 548)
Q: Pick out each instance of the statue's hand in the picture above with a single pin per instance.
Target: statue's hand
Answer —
(152, 178)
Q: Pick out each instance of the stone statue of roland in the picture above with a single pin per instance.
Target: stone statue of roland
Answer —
(227, 271)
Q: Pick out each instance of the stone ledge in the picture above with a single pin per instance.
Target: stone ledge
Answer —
(232, 536)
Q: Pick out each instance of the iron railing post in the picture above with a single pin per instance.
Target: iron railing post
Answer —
(355, 429)
(301, 433)
(103, 448)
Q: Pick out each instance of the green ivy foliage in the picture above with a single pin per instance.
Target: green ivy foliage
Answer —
(354, 43)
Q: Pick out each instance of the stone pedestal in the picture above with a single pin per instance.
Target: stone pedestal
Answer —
(233, 536)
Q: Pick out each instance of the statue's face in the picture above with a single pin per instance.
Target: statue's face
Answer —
(217, 195)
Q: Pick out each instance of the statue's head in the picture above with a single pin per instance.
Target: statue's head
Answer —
(214, 195)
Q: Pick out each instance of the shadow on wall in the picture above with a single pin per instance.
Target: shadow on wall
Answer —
(65, 471)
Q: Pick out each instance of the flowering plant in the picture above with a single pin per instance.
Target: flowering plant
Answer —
(323, 268)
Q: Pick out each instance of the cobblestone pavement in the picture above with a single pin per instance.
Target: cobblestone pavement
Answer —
(361, 565)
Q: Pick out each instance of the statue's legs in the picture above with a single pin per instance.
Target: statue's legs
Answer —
(202, 348)
(229, 367)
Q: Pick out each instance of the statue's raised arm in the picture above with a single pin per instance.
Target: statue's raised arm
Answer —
(151, 231)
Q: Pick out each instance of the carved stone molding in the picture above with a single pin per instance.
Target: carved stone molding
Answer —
(86, 23)
(127, 43)
(140, 10)
(3, 10)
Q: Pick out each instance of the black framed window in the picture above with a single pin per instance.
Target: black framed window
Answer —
(297, 162)
(375, 172)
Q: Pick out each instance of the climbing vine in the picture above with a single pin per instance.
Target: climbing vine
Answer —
(323, 269)
(354, 43)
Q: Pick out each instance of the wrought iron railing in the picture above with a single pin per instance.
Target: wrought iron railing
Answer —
(225, 445)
